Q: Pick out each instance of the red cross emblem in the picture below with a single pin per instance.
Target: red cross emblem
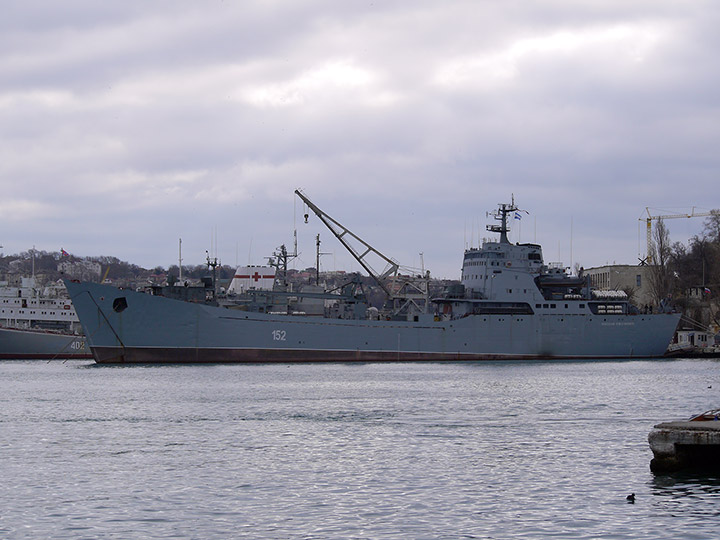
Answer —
(256, 276)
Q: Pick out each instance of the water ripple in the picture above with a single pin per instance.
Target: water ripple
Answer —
(500, 450)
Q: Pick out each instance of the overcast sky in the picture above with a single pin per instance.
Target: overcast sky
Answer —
(128, 125)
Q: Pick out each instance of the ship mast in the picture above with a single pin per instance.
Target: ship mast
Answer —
(317, 259)
(501, 215)
(212, 265)
(180, 260)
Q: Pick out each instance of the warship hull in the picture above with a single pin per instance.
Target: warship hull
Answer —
(130, 327)
(28, 344)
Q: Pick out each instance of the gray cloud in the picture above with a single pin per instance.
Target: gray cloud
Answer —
(127, 125)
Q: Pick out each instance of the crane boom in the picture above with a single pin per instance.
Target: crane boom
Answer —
(648, 228)
(407, 295)
(340, 231)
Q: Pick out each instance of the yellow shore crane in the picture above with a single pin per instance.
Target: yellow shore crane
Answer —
(649, 219)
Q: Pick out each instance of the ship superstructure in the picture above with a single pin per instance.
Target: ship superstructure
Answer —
(501, 277)
(31, 306)
(39, 322)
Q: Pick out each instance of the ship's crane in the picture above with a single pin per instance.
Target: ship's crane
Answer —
(649, 219)
(407, 293)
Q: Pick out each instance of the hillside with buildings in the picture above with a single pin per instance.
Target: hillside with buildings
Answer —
(52, 266)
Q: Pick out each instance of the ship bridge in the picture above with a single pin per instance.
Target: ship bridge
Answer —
(502, 269)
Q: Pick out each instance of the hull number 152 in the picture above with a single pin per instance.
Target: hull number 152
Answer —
(278, 335)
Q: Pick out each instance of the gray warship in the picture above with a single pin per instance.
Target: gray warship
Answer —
(508, 305)
(38, 344)
(39, 323)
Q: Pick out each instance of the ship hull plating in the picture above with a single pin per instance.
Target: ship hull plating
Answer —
(129, 327)
(21, 344)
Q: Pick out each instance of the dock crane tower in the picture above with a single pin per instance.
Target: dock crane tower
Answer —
(407, 294)
(648, 228)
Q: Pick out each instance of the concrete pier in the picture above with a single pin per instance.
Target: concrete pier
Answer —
(692, 444)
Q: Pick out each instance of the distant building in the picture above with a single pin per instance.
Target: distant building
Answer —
(635, 280)
(697, 338)
(697, 293)
(84, 270)
(157, 279)
(18, 266)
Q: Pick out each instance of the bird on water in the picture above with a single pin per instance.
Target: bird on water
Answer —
(630, 498)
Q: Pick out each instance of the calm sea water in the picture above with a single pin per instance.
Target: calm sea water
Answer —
(475, 450)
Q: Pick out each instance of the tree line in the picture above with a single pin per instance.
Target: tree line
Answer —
(688, 274)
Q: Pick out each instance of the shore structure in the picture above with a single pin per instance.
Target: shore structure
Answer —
(686, 444)
(509, 305)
